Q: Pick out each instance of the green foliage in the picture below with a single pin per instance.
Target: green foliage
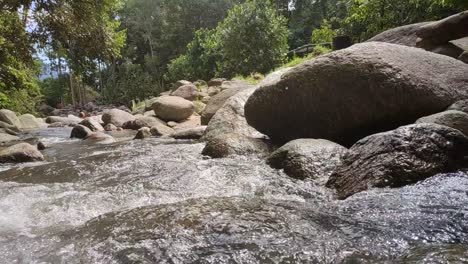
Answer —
(253, 78)
(253, 38)
(324, 34)
(318, 51)
(56, 90)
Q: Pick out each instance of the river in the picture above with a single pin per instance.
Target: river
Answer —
(161, 201)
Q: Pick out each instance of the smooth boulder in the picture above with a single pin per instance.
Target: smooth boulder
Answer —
(143, 133)
(400, 157)
(80, 131)
(7, 137)
(352, 93)
(30, 122)
(188, 92)
(100, 138)
(116, 117)
(9, 117)
(92, 124)
(22, 152)
(160, 130)
(308, 159)
(404, 35)
(69, 120)
(142, 121)
(189, 133)
(451, 118)
(173, 108)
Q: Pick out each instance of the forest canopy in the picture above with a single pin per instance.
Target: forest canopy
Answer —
(59, 51)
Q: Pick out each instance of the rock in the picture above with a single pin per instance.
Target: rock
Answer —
(56, 125)
(4, 138)
(400, 157)
(116, 117)
(149, 103)
(173, 108)
(100, 138)
(393, 85)
(206, 99)
(189, 133)
(8, 126)
(451, 118)
(445, 30)
(464, 57)
(80, 131)
(235, 84)
(144, 121)
(143, 133)
(217, 101)
(405, 35)
(92, 124)
(110, 127)
(8, 131)
(172, 124)
(9, 117)
(45, 109)
(70, 120)
(191, 122)
(22, 152)
(41, 145)
(230, 117)
(188, 92)
(308, 158)
(30, 122)
(150, 113)
(166, 93)
(216, 82)
(181, 83)
(160, 130)
(460, 106)
(199, 107)
(82, 115)
(90, 107)
(213, 90)
(225, 145)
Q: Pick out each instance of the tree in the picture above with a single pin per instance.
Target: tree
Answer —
(252, 38)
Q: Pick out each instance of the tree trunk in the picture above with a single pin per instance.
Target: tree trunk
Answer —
(72, 90)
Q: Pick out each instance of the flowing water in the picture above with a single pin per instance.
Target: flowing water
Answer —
(161, 201)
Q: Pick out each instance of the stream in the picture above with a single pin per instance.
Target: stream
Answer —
(161, 201)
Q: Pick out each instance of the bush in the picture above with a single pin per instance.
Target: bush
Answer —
(324, 34)
(253, 38)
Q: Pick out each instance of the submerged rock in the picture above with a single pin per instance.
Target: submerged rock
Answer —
(143, 133)
(451, 118)
(100, 138)
(173, 108)
(22, 152)
(392, 85)
(116, 117)
(308, 158)
(225, 145)
(400, 157)
(80, 131)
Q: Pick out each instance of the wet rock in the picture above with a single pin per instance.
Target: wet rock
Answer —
(70, 120)
(41, 146)
(460, 106)
(100, 138)
(393, 85)
(225, 145)
(92, 124)
(188, 92)
(405, 35)
(400, 157)
(143, 133)
(80, 131)
(308, 158)
(22, 152)
(173, 108)
(217, 101)
(9, 117)
(189, 133)
(160, 130)
(116, 117)
(451, 118)
(110, 127)
(143, 121)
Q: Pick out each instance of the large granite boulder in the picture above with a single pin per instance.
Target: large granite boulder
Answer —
(352, 93)
(217, 101)
(188, 92)
(400, 157)
(22, 152)
(9, 117)
(443, 31)
(173, 108)
(308, 159)
(230, 117)
(30, 122)
(451, 118)
(116, 117)
(405, 35)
